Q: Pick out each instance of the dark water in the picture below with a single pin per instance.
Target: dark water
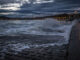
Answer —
(29, 8)
(18, 35)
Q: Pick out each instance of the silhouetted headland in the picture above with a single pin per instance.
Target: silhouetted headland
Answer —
(60, 17)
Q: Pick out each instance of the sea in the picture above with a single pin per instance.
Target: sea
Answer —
(46, 32)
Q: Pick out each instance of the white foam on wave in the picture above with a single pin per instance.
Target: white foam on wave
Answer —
(30, 27)
(68, 29)
(20, 46)
(35, 27)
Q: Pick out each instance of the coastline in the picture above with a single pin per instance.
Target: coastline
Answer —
(60, 17)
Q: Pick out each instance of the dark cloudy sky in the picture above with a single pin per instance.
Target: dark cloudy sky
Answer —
(28, 6)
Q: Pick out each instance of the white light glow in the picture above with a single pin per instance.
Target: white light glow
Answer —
(42, 1)
(11, 6)
(18, 3)
(14, 6)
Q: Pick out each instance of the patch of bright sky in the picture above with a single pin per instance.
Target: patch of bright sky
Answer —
(13, 6)
(10, 6)
(18, 3)
(42, 1)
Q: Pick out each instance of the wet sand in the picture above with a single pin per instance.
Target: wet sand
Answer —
(74, 45)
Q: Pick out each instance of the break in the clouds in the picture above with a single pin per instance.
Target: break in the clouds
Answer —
(38, 6)
(14, 5)
(42, 1)
(25, 1)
